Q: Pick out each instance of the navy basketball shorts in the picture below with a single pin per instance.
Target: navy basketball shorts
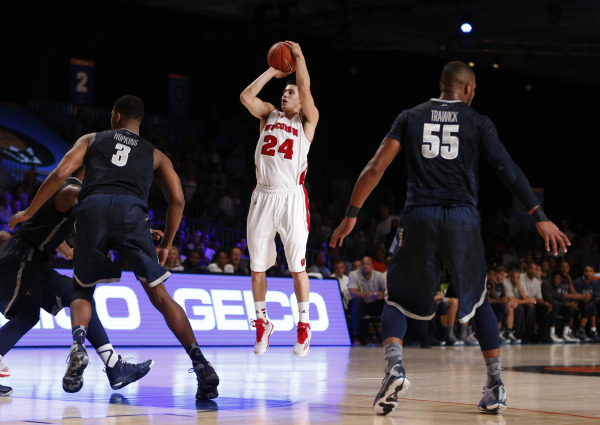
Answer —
(430, 238)
(114, 222)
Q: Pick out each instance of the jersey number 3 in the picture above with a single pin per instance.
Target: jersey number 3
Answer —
(447, 149)
(120, 158)
(286, 148)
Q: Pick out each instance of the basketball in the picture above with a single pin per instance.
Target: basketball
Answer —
(280, 57)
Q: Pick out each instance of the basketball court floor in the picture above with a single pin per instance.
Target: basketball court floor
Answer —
(549, 384)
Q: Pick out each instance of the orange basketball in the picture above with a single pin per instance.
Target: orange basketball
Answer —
(280, 57)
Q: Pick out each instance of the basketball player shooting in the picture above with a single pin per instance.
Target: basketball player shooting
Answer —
(280, 203)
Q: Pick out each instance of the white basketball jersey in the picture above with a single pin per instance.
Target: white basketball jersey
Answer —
(281, 156)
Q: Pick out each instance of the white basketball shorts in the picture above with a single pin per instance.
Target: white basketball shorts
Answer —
(283, 211)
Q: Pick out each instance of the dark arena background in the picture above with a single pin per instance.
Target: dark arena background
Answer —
(62, 66)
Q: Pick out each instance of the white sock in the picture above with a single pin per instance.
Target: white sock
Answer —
(591, 329)
(552, 330)
(303, 309)
(108, 355)
(261, 310)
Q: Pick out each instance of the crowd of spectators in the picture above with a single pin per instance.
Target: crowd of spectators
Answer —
(217, 175)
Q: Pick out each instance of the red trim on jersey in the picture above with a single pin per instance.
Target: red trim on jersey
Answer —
(306, 201)
(302, 177)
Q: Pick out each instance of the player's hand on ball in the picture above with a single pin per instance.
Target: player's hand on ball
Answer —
(342, 231)
(280, 74)
(294, 47)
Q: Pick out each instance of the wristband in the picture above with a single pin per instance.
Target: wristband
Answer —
(352, 211)
(539, 215)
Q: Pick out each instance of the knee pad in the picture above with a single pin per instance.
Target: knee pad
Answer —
(83, 292)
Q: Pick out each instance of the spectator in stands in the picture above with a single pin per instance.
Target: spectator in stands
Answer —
(384, 225)
(504, 308)
(525, 311)
(320, 265)
(220, 263)
(173, 262)
(565, 269)
(23, 198)
(193, 264)
(532, 286)
(230, 207)
(339, 271)
(367, 288)
(209, 246)
(15, 205)
(6, 211)
(561, 306)
(235, 259)
(588, 287)
(356, 265)
(465, 334)
(194, 241)
(545, 267)
(379, 262)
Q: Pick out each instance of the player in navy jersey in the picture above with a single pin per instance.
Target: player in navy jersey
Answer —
(112, 213)
(28, 283)
(443, 139)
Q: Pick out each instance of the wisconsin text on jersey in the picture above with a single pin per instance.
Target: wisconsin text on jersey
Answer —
(283, 127)
(126, 140)
(444, 116)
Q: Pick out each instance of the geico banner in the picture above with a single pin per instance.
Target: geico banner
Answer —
(219, 307)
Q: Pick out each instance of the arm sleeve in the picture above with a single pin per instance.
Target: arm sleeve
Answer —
(505, 168)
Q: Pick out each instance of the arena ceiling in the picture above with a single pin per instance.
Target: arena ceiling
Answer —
(553, 38)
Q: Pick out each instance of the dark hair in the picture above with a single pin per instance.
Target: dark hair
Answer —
(502, 268)
(456, 72)
(554, 274)
(219, 251)
(130, 107)
(292, 82)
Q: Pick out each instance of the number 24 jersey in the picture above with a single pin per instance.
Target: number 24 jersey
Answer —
(281, 155)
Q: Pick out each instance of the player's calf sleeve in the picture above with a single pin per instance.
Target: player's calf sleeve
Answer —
(393, 323)
(486, 327)
(96, 334)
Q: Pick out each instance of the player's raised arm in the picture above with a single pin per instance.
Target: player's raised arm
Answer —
(249, 97)
(368, 179)
(72, 160)
(309, 110)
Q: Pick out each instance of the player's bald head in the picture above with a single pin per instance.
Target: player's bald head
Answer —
(457, 73)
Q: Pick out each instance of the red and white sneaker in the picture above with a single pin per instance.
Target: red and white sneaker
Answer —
(264, 329)
(4, 371)
(302, 346)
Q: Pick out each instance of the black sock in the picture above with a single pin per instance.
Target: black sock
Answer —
(195, 354)
(79, 334)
